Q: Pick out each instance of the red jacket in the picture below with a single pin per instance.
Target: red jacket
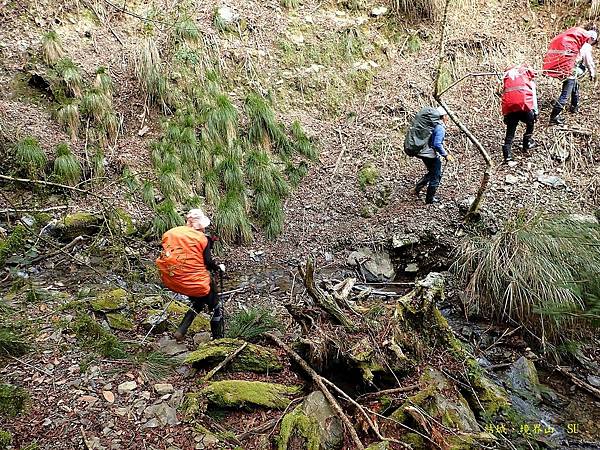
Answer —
(181, 263)
(519, 90)
(563, 51)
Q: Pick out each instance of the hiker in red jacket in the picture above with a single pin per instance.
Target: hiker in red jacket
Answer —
(519, 104)
(569, 55)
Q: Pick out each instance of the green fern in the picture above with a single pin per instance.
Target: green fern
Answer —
(68, 117)
(30, 157)
(67, 169)
(52, 50)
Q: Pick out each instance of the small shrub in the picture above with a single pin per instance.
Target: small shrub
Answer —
(96, 105)
(67, 169)
(251, 324)
(52, 50)
(5, 439)
(154, 365)
(30, 157)
(367, 176)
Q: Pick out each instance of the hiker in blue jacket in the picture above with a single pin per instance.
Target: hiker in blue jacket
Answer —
(430, 155)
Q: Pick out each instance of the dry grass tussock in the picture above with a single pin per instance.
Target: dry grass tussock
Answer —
(535, 272)
(426, 9)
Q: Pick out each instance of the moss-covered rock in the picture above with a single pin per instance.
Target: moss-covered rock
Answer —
(110, 300)
(313, 425)
(244, 394)
(441, 401)
(13, 400)
(121, 222)
(253, 358)
(119, 322)
(78, 224)
(13, 243)
(383, 445)
(5, 439)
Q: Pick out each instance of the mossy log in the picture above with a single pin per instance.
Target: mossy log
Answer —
(245, 394)
(253, 358)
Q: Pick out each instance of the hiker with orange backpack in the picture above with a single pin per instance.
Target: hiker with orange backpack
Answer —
(519, 104)
(569, 55)
(184, 266)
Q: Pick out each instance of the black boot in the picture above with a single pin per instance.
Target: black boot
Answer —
(185, 324)
(217, 323)
(555, 118)
(431, 198)
(528, 143)
(506, 153)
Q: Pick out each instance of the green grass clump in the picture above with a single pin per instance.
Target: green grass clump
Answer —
(13, 400)
(252, 323)
(413, 44)
(154, 365)
(542, 273)
(96, 105)
(231, 219)
(170, 182)
(67, 169)
(52, 50)
(13, 243)
(6, 439)
(186, 30)
(97, 163)
(30, 157)
(103, 82)
(11, 344)
(68, 117)
(166, 218)
(148, 70)
(94, 337)
(367, 176)
(290, 4)
(71, 76)
(148, 196)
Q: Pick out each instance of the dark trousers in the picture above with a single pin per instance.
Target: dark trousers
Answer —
(432, 178)
(570, 88)
(212, 301)
(512, 120)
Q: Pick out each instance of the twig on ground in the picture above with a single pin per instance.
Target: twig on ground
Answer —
(34, 210)
(223, 363)
(393, 391)
(579, 383)
(319, 381)
(59, 251)
(342, 151)
(31, 366)
(49, 183)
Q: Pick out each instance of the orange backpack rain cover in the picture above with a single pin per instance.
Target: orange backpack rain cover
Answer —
(181, 263)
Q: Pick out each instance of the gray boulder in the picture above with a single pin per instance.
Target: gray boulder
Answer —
(375, 266)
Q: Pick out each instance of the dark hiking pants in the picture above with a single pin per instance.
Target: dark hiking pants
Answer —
(512, 120)
(432, 178)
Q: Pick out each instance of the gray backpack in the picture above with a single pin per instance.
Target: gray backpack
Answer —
(420, 130)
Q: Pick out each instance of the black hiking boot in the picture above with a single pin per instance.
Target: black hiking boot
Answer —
(573, 109)
(555, 118)
(185, 324)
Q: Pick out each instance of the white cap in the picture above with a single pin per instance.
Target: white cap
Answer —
(198, 216)
(441, 111)
(593, 35)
